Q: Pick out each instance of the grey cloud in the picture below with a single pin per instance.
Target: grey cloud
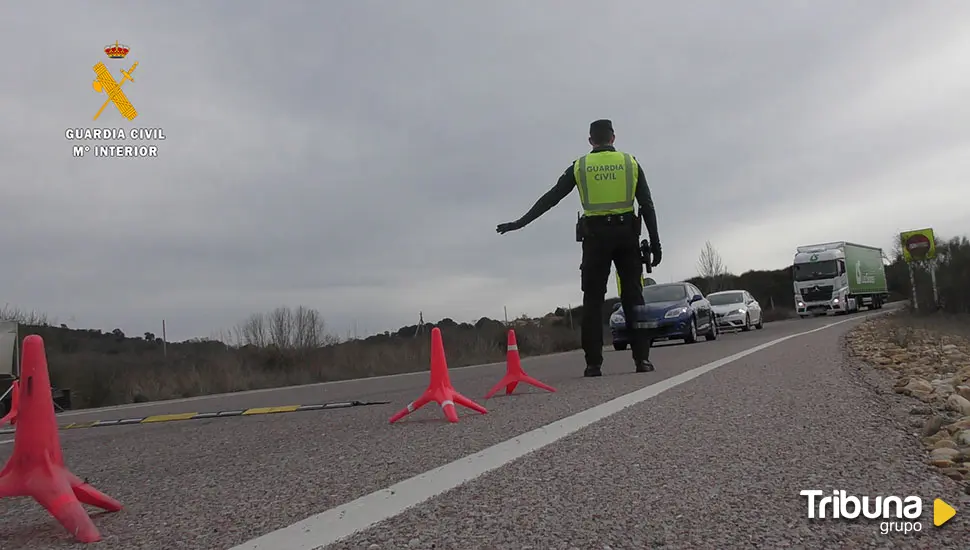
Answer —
(356, 158)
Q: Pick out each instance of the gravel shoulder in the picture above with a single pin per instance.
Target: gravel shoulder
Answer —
(922, 366)
(715, 463)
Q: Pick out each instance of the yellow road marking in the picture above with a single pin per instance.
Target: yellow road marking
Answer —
(168, 417)
(268, 410)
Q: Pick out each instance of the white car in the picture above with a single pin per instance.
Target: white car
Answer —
(736, 309)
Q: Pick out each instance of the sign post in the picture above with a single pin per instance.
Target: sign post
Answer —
(919, 245)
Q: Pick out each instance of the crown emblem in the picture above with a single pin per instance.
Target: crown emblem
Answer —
(116, 50)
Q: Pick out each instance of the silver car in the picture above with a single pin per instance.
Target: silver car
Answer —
(736, 309)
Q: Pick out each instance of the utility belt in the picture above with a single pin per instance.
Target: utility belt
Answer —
(587, 225)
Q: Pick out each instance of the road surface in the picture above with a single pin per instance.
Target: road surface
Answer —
(709, 451)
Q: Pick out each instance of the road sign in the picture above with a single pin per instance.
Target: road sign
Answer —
(918, 245)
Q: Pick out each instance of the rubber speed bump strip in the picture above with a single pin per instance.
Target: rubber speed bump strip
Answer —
(154, 419)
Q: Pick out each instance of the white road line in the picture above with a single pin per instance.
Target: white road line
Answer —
(343, 521)
(5, 441)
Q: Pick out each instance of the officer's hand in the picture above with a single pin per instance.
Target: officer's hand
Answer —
(504, 228)
(657, 254)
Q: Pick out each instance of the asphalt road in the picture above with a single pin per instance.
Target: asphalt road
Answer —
(709, 451)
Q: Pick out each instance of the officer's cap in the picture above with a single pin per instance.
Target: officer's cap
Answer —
(603, 125)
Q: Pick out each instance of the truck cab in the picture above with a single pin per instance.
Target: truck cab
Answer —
(821, 282)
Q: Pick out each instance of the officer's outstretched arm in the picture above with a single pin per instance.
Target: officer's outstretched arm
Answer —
(647, 210)
(565, 185)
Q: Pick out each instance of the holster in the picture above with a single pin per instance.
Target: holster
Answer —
(582, 228)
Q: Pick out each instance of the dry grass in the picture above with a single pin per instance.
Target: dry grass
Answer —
(139, 373)
(904, 327)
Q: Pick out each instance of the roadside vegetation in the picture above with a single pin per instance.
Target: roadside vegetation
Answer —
(292, 345)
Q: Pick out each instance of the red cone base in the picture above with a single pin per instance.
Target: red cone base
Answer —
(14, 405)
(440, 389)
(36, 467)
(60, 492)
(514, 373)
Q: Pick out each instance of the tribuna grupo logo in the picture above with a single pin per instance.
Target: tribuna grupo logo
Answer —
(906, 511)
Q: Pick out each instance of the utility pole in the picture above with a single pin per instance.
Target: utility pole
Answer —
(164, 340)
(420, 328)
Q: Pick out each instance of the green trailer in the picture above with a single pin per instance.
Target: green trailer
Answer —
(838, 277)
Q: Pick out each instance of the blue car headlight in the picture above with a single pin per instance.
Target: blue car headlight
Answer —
(675, 312)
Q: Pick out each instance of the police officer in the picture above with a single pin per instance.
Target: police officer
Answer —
(608, 181)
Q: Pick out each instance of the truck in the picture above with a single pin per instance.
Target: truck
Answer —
(9, 370)
(838, 278)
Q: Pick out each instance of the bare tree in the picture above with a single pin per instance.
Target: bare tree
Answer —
(311, 331)
(253, 331)
(281, 327)
(301, 329)
(710, 265)
(897, 249)
(24, 317)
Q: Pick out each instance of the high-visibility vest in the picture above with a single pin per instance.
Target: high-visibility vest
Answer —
(619, 289)
(607, 182)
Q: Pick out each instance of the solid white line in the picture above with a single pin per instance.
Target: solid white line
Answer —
(343, 521)
(5, 441)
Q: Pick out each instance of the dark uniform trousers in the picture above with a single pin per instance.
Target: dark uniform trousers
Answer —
(611, 240)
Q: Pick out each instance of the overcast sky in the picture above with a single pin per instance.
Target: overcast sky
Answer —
(355, 157)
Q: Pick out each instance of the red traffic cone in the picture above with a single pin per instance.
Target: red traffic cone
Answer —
(440, 389)
(14, 404)
(36, 467)
(514, 373)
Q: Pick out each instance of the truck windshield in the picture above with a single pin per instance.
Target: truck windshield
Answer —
(826, 269)
(725, 299)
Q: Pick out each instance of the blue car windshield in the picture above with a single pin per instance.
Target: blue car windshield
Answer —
(664, 293)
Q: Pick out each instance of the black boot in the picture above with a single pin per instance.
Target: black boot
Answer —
(593, 370)
(641, 353)
(644, 365)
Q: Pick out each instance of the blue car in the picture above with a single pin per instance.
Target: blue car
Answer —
(673, 311)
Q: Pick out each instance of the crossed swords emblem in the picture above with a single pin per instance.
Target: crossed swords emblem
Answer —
(106, 83)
